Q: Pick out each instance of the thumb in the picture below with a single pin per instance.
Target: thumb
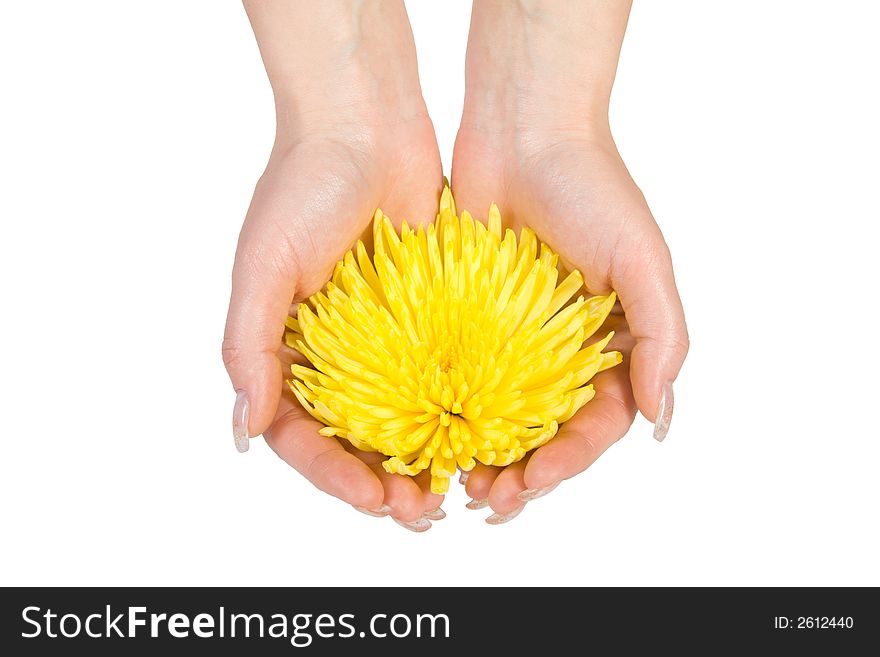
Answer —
(263, 285)
(646, 288)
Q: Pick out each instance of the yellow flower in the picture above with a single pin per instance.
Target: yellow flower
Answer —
(453, 344)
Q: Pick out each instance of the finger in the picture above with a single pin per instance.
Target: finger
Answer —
(323, 461)
(503, 496)
(479, 483)
(645, 284)
(263, 285)
(404, 497)
(583, 439)
(431, 500)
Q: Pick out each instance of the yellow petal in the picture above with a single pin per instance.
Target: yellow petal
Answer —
(450, 344)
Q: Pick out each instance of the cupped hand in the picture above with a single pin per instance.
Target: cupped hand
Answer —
(570, 185)
(315, 199)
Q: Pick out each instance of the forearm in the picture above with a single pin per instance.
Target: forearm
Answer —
(542, 60)
(331, 60)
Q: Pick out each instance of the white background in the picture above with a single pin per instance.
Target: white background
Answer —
(131, 135)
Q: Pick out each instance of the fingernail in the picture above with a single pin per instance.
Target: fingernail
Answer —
(476, 505)
(501, 518)
(436, 514)
(240, 414)
(664, 412)
(381, 512)
(418, 526)
(534, 493)
(463, 478)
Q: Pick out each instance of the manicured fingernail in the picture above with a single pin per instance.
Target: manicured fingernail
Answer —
(476, 505)
(463, 478)
(418, 526)
(534, 493)
(436, 514)
(381, 512)
(664, 412)
(501, 518)
(240, 414)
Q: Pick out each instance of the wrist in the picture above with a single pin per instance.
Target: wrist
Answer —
(337, 64)
(357, 104)
(541, 65)
(490, 110)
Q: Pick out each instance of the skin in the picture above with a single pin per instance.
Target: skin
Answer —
(534, 138)
(341, 150)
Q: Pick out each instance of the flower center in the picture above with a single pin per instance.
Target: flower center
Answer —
(448, 362)
(444, 381)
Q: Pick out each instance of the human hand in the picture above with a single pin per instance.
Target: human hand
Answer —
(341, 150)
(535, 140)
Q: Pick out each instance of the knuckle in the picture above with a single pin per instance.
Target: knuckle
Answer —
(683, 345)
(644, 257)
(255, 262)
(231, 351)
(588, 439)
(269, 261)
(679, 343)
(655, 254)
(618, 417)
(317, 466)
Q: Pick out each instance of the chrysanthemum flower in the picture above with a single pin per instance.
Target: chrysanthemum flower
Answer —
(453, 344)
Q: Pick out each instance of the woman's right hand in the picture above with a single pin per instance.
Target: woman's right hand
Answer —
(535, 140)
